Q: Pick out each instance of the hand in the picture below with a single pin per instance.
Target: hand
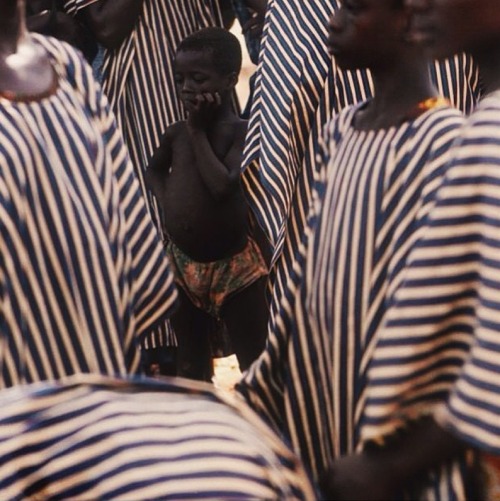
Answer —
(202, 108)
(357, 477)
(254, 26)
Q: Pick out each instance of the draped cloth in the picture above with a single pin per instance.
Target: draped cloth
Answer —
(83, 273)
(94, 437)
(439, 350)
(372, 194)
(138, 79)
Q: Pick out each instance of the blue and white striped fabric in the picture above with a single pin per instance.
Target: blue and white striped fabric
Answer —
(83, 274)
(298, 88)
(92, 437)
(440, 351)
(139, 82)
(373, 193)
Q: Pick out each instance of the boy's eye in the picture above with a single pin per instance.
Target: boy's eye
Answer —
(199, 78)
(178, 79)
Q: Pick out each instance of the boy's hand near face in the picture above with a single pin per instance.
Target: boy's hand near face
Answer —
(202, 109)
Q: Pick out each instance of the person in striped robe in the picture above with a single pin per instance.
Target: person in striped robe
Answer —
(435, 369)
(139, 39)
(83, 275)
(95, 437)
(380, 162)
(298, 87)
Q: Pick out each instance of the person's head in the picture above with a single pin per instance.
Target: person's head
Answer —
(369, 33)
(12, 16)
(451, 26)
(208, 60)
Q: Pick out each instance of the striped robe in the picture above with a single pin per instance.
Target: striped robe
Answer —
(139, 82)
(298, 88)
(92, 437)
(83, 275)
(374, 189)
(439, 352)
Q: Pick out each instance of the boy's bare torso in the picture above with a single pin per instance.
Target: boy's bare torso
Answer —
(204, 228)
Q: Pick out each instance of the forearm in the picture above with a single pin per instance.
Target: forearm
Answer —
(215, 175)
(112, 21)
(382, 472)
(425, 446)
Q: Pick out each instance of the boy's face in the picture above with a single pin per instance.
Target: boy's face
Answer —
(367, 33)
(451, 26)
(195, 74)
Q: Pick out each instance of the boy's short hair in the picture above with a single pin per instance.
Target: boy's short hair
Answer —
(224, 46)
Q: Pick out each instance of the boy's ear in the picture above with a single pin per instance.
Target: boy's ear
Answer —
(232, 79)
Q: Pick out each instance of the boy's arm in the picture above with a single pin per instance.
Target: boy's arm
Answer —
(220, 177)
(159, 164)
(112, 21)
(382, 472)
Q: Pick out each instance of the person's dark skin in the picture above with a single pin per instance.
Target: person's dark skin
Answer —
(256, 23)
(206, 215)
(113, 20)
(382, 473)
(38, 14)
(30, 75)
(399, 71)
(195, 174)
(401, 80)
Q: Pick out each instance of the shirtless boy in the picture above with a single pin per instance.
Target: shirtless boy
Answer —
(195, 174)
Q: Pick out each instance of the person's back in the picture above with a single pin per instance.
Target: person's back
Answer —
(196, 176)
(75, 233)
(96, 437)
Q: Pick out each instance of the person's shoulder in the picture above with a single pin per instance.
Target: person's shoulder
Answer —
(337, 125)
(439, 117)
(55, 47)
(68, 60)
(489, 104)
(484, 121)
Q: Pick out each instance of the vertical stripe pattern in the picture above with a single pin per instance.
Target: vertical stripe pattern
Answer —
(439, 349)
(309, 380)
(100, 438)
(83, 274)
(371, 197)
(298, 88)
(139, 82)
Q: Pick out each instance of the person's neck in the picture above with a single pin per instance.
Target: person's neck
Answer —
(397, 95)
(488, 62)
